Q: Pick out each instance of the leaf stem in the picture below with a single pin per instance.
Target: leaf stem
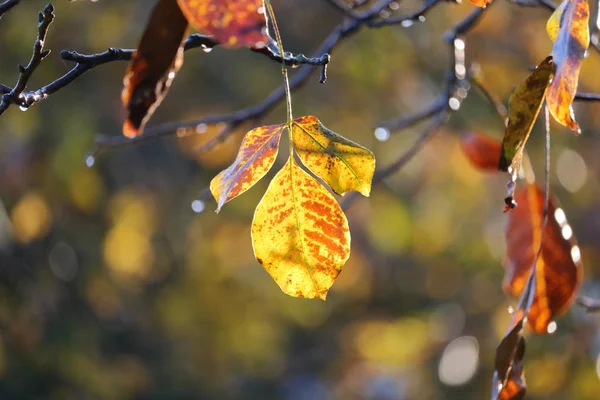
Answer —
(286, 83)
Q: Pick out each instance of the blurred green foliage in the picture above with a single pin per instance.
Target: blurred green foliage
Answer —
(112, 287)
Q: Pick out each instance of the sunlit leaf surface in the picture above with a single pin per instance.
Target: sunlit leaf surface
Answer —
(341, 163)
(255, 158)
(236, 23)
(558, 269)
(523, 108)
(300, 234)
(156, 61)
(568, 29)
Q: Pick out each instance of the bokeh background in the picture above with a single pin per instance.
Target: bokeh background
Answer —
(112, 286)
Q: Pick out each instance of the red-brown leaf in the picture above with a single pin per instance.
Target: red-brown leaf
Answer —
(154, 65)
(481, 150)
(558, 269)
(569, 30)
(234, 23)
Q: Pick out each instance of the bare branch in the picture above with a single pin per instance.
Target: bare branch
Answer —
(39, 53)
(7, 5)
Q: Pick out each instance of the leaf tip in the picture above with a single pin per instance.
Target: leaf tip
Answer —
(130, 130)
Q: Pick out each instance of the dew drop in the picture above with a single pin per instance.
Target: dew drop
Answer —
(511, 310)
(23, 108)
(382, 134)
(407, 23)
(454, 103)
(207, 49)
(198, 206)
(201, 128)
(421, 18)
(552, 327)
(90, 161)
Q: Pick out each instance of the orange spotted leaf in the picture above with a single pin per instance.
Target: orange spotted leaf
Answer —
(341, 163)
(255, 158)
(155, 62)
(300, 234)
(481, 150)
(234, 23)
(558, 270)
(568, 29)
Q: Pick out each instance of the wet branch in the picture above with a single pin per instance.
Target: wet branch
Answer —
(15, 95)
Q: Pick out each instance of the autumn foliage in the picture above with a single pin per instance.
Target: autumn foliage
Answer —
(300, 233)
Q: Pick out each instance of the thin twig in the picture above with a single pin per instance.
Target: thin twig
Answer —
(418, 15)
(591, 305)
(39, 53)
(7, 5)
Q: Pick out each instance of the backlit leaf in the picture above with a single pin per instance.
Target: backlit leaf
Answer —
(154, 65)
(255, 158)
(341, 163)
(509, 379)
(235, 23)
(523, 108)
(300, 234)
(481, 150)
(568, 29)
(558, 269)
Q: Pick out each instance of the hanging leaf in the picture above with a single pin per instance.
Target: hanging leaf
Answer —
(568, 29)
(300, 234)
(558, 269)
(341, 163)
(523, 108)
(234, 23)
(154, 65)
(481, 3)
(481, 150)
(509, 379)
(255, 158)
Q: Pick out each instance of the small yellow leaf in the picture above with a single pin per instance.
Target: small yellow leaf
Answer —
(568, 29)
(255, 158)
(523, 108)
(341, 163)
(300, 234)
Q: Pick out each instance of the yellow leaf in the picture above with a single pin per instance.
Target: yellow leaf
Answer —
(568, 29)
(341, 163)
(255, 158)
(523, 108)
(300, 234)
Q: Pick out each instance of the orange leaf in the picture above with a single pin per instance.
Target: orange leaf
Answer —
(558, 269)
(481, 150)
(255, 158)
(481, 3)
(568, 29)
(234, 23)
(154, 65)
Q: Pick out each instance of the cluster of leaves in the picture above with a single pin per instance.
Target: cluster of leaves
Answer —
(300, 234)
(543, 262)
